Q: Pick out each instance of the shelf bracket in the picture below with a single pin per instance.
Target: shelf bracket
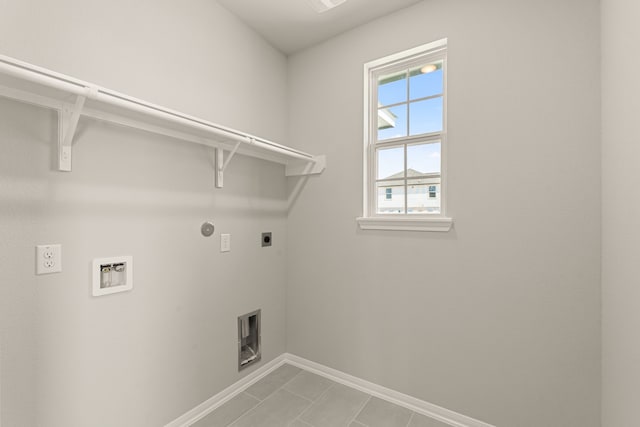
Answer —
(222, 164)
(67, 124)
(314, 166)
(218, 163)
(233, 152)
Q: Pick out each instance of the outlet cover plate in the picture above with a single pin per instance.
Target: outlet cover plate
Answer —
(225, 243)
(48, 259)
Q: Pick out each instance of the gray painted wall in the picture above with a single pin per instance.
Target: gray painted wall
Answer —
(621, 213)
(144, 357)
(498, 319)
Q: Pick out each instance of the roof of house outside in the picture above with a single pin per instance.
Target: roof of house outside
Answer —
(417, 178)
(411, 173)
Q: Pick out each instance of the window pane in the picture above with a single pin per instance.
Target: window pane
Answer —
(393, 204)
(425, 116)
(426, 80)
(420, 198)
(392, 88)
(391, 163)
(423, 159)
(392, 122)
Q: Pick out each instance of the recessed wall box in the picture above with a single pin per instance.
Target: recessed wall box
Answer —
(266, 239)
(111, 275)
(248, 339)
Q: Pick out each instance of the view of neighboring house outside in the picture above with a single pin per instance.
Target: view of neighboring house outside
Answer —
(422, 195)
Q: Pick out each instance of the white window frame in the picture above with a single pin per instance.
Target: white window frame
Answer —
(370, 219)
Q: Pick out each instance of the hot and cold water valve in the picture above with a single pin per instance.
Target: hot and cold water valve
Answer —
(111, 275)
(249, 339)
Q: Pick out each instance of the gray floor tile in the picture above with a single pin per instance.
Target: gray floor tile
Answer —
(276, 379)
(229, 412)
(419, 420)
(278, 410)
(293, 397)
(380, 413)
(336, 408)
(308, 385)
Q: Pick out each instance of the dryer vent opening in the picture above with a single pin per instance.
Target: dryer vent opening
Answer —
(248, 339)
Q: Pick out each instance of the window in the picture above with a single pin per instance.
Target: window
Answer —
(405, 141)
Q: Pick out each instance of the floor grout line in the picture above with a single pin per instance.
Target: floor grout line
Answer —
(296, 394)
(360, 410)
(247, 411)
(302, 421)
(331, 384)
(313, 403)
(261, 401)
(282, 387)
(255, 397)
(235, 422)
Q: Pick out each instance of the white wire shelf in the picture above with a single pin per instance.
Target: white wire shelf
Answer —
(73, 98)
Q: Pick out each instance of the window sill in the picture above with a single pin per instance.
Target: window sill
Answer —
(405, 224)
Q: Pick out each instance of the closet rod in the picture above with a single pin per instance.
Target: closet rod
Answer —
(34, 74)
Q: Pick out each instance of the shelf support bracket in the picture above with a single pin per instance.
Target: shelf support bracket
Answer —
(233, 152)
(219, 162)
(67, 125)
(314, 166)
(222, 164)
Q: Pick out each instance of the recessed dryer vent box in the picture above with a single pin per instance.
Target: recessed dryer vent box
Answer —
(248, 339)
(266, 239)
(111, 275)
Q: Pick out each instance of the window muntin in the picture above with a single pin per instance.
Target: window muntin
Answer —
(407, 131)
(410, 102)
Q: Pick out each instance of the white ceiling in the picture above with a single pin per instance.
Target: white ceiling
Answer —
(292, 25)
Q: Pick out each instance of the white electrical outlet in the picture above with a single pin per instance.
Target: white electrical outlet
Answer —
(48, 259)
(225, 243)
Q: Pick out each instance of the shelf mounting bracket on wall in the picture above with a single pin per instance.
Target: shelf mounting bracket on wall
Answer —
(221, 164)
(68, 119)
(303, 168)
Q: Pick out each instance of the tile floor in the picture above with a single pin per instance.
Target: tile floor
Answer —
(292, 397)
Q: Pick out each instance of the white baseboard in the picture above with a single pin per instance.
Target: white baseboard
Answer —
(447, 416)
(211, 404)
(420, 406)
